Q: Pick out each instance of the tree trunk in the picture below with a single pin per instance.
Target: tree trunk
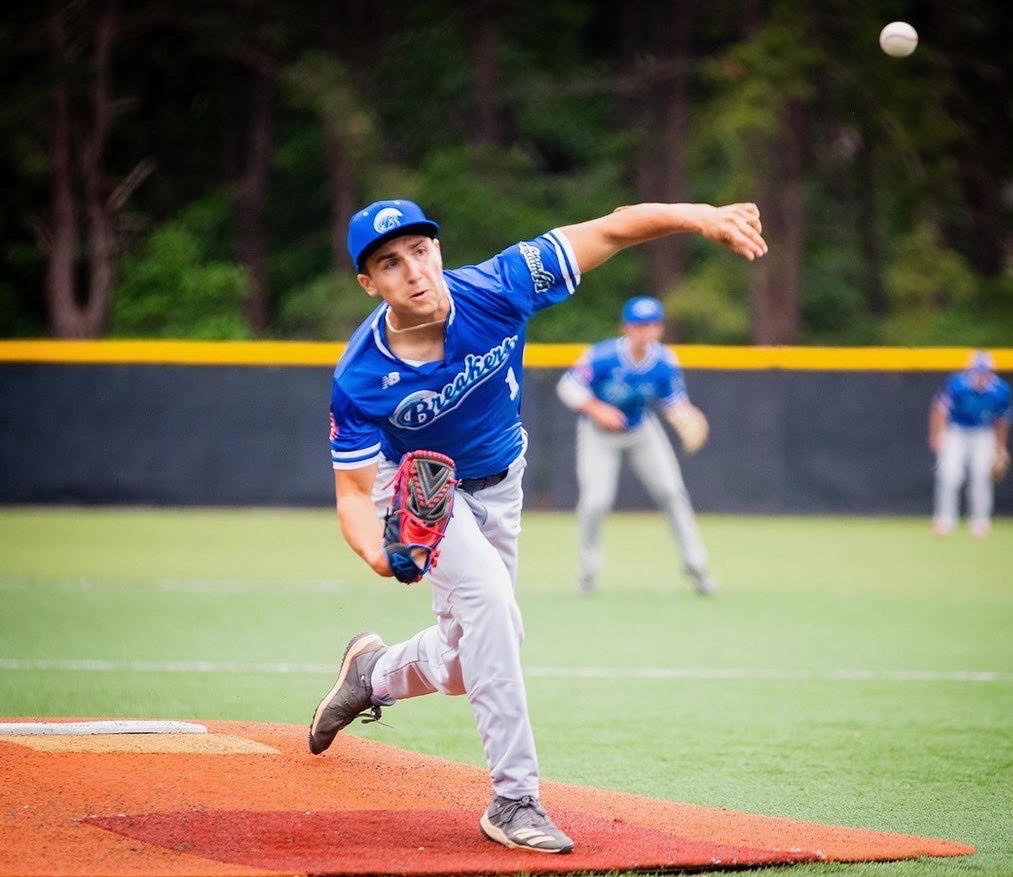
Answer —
(62, 244)
(84, 314)
(485, 59)
(777, 278)
(868, 217)
(253, 201)
(230, 119)
(662, 174)
(984, 197)
(342, 21)
(101, 231)
(343, 194)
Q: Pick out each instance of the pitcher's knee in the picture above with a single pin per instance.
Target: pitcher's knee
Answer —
(495, 624)
(454, 685)
(485, 597)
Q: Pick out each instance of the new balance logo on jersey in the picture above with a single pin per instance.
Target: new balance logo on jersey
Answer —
(541, 278)
(390, 379)
(422, 408)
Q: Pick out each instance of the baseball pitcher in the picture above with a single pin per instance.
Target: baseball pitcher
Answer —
(616, 386)
(428, 450)
(968, 432)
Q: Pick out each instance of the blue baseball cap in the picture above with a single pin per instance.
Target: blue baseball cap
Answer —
(382, 221)
(981, 361)
(643, 309)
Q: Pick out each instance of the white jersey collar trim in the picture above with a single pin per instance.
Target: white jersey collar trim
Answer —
(453, 306)
(379, 320)
(646, 364)
(378, 334)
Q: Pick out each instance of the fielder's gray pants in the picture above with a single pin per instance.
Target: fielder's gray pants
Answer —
(599, 454)
(474, 647)
(965, 453)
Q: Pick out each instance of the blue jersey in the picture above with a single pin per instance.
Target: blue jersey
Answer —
(969, 407)
(609, 372)
(467, 405)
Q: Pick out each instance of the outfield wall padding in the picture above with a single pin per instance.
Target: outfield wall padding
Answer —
(781, 441)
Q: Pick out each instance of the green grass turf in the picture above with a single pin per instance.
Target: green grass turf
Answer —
(810, 596)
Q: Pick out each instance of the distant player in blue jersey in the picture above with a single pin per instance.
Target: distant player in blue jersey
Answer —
(438, 366)
(616, 386)
(968, 432)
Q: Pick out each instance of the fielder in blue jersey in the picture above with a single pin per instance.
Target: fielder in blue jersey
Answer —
(437, 366)
(617, 386)
(968, 432)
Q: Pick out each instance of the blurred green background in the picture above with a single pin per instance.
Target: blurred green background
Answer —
(188, 169)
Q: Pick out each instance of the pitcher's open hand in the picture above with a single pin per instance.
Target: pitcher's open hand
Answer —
(735, 226)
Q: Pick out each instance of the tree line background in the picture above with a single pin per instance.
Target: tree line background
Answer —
(187, 169)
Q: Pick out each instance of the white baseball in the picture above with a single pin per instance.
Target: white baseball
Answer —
(898, 39)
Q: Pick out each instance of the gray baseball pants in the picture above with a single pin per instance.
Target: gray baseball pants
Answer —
(599, 454)
(966, 453)
(474, 646)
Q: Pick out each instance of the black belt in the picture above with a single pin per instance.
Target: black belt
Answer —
(470, 485)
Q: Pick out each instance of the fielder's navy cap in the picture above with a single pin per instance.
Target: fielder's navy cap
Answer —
(643, 309)
(981, 361)
(382, 221)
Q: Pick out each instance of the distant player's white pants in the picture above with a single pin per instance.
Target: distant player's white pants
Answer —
(965, 452)
(599, 454)
(474, 647)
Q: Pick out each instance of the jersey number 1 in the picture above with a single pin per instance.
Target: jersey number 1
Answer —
(511, 382)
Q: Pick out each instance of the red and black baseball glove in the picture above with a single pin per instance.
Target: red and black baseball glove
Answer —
(420, 510)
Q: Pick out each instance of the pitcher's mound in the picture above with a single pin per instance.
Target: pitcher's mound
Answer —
(248, 799)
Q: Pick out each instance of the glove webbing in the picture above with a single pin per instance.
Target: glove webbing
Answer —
(423, 500)
(431, 491)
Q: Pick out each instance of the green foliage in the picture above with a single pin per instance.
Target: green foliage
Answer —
(891, 148)
(8, 311)
(935, 298)
(328, 307)
(833, 309)
(170, 288)
(709, 307)
(318, 81)
(924, 275)
(487, 199)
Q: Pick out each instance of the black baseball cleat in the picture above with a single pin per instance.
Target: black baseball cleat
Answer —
(523, 824)
(351, 695)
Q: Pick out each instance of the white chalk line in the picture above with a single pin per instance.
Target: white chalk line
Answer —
(620, 673)
(175, 586)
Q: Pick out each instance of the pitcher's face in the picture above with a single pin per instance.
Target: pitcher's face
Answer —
(407, 273)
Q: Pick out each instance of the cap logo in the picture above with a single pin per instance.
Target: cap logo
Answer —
(386, 219)
(643, 309)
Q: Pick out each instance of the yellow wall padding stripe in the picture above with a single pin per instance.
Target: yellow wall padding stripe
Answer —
(321, 353)
(144, 351)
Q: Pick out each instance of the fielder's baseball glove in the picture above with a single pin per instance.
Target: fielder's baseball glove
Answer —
(691, 425)
(1000, 465)
(420, 510)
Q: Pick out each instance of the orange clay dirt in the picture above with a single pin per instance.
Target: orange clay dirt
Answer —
(248, 799)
